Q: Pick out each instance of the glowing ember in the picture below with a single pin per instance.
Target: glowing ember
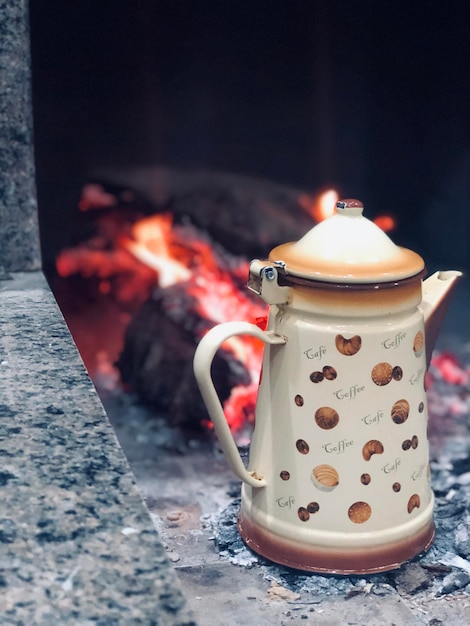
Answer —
(449, 369)
(240, 407)
(94, 196)
(446, 372)
(386, 222)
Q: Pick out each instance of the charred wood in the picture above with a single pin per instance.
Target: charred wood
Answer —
(246, 215)
(156, 361)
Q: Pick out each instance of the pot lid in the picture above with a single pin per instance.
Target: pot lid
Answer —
(347, 248)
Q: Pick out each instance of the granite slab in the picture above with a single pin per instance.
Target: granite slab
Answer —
(77, 544)
(19, 236)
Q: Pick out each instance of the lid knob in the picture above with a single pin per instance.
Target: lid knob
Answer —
(349, 207)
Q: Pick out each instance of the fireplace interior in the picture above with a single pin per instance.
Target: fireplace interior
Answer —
(219, 129)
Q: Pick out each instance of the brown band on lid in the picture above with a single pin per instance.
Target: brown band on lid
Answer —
(347, 248)
(290, 280)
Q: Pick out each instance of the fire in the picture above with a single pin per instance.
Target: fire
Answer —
(326, 204)
(150, 245)
(129, 257)
(154, 252)
(322, 206)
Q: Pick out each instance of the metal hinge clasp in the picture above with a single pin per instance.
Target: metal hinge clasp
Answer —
(263, 280)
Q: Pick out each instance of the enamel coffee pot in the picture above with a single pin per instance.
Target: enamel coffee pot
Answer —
(338, 478)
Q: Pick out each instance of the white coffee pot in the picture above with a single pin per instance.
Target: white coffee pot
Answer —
(338, 477)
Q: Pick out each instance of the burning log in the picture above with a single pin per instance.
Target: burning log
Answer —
(188, 284)
(199, 285)
(185, 252)
(246, 215)
(156, 361)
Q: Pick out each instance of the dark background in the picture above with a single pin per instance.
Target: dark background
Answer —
(372, 97)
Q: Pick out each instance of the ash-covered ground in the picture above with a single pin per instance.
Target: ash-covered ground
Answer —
(442, 570)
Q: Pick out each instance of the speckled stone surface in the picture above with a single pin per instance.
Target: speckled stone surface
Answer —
(77, 545)
(19, 239)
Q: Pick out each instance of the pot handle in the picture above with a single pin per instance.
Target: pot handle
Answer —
(203, 358)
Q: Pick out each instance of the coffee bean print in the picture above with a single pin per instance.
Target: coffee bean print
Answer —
(316, 377)
(421, 407)
(397, 373)
(406, 445)
(303, 514)
(329, 372)
(302, 446)
(396, 487)
(313, 507)
(414, 442)
(365, 479)
(299, 401)
(285, 475)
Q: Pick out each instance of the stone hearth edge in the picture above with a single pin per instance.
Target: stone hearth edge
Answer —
(77, 543)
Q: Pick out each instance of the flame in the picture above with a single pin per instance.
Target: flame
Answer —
(321, 206)
(150, 245)
(326, 204)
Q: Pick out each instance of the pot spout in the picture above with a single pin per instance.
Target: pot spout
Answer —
(436, 295)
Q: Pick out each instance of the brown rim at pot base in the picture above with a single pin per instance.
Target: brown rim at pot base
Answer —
(364, 560)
